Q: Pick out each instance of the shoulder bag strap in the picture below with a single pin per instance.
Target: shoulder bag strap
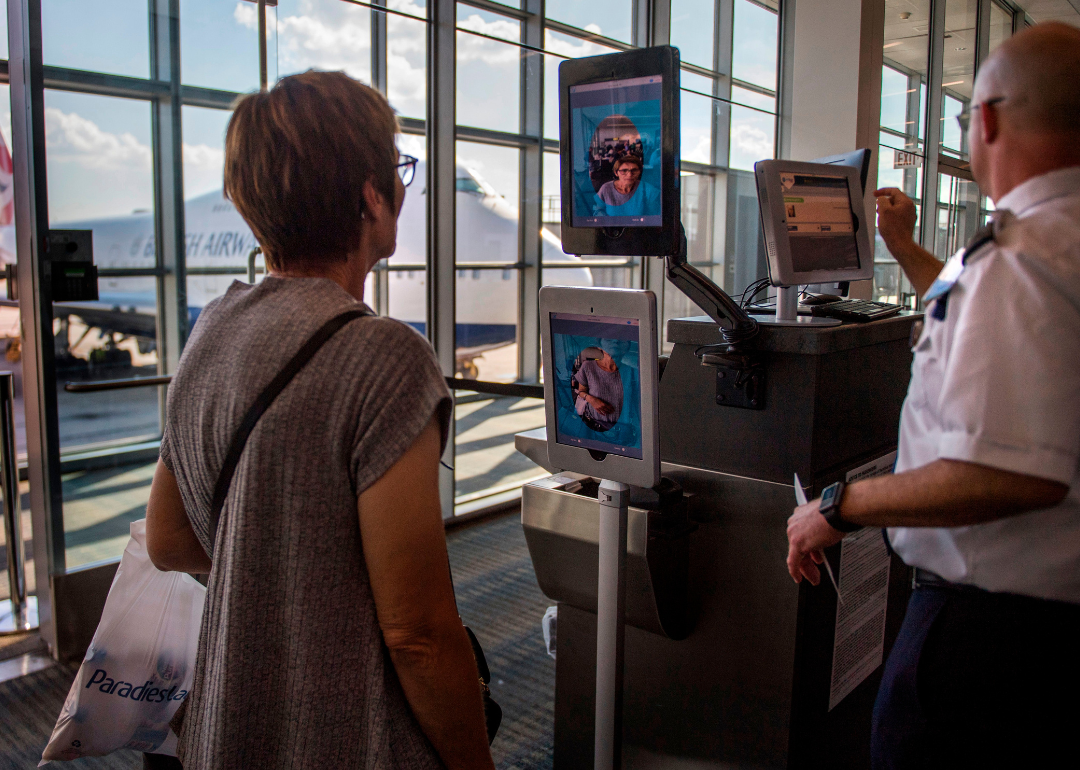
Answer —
(263, 402)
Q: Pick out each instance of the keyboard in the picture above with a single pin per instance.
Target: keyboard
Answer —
(856, 310)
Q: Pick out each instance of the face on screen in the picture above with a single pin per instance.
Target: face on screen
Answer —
(597, 381)
(615, 145)
(817, 214)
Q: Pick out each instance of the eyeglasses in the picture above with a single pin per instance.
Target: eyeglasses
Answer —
(406, 168)
(964, 118)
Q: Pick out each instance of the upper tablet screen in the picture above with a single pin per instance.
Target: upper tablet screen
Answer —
(616, 152)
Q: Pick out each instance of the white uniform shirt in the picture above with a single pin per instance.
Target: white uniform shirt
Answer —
(997, 382)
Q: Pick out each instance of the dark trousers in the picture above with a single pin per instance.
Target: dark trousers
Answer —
(980, 679)
(161, 762)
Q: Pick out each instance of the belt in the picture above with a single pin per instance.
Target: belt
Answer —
(924, 578)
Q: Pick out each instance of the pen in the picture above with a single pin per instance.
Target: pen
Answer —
(800, 498)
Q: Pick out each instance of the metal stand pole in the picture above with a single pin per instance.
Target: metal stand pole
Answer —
(787, 303)
(610, 625)
(787, 311)
(18, 613)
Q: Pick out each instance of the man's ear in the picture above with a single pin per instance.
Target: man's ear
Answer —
(374, 203)
(989, 122)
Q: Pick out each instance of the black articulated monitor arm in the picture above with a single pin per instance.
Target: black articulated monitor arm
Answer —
(710, 298)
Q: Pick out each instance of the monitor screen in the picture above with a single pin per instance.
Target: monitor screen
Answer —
(817, 213)
(615, 146)
(597, 383)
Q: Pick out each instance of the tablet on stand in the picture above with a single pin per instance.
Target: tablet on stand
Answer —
(601, 401)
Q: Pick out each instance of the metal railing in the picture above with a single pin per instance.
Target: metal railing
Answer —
(513, 389)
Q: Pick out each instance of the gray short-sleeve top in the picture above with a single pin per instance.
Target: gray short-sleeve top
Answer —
(292, 670)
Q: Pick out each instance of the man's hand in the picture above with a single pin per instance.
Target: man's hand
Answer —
(808, 534)
(896, 218)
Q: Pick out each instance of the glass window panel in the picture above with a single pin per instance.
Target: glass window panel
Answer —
(417, 8)
(487, 315)
(959, 214)
(568, 47)
(697, 118)
(958, 69)
(1001, 22)
(894, 99)
(204, 149)
(616, 272)
(551, 214)
(487, 234)
(323, 35)
(906, 55)
(753, 52)
(692, 30)
(610, 18)
(219, 44)
(551, 96)
(100, 504)
(109, 37)
(952, 139)
(488, 72)
(10, 328)
(752, 132)
(703, 199)
(7, 211)
(745, 248)
(485, 460)
(406, 61)
(99, 167)
(899, 169)
(3, 34)
(906, 51)
(217, 235)
(401, 292)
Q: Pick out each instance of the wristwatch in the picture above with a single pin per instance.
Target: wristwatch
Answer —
(830, 508)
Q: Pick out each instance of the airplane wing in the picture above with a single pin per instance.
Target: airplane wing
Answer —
(130, 323)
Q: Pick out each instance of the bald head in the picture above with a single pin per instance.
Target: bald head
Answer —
(1037, 72)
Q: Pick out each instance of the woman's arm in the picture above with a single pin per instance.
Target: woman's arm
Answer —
(170, 540)
(405, 549)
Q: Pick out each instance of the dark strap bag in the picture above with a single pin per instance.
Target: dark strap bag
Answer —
(492, 712)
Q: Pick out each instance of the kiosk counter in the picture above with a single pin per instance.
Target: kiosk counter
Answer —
(727, 661)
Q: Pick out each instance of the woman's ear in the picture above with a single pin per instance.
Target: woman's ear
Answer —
(375, 205)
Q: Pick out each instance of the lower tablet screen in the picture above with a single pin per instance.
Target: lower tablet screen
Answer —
(597, 382)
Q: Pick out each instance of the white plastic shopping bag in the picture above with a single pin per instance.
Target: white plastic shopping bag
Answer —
(140, 666)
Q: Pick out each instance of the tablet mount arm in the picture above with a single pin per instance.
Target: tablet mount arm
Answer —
(740, 375)
(710, 298)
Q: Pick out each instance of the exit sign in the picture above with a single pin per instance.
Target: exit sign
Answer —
(903, 159)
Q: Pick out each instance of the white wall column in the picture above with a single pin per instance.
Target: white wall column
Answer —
(830, 84)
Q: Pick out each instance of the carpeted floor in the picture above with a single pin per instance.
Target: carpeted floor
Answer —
(498, 599)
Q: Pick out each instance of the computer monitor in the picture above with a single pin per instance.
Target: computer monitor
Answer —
(859, 159)
(814, 222)
(601, 382)
(619, 132)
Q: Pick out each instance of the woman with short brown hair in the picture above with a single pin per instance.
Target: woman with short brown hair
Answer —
(627, 195)
(330, 636)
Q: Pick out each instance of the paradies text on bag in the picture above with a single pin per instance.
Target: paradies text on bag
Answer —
(124, 689)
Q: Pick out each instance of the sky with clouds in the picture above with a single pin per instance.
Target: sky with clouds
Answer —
(99, 147)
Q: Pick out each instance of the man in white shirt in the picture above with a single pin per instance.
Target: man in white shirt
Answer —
(985, 500)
